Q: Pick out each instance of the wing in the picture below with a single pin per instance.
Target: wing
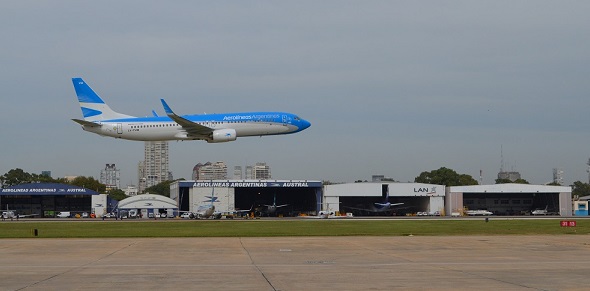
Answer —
(358, 208)
(26, 215)
(192, 129)
(388, 204)
(244, 210)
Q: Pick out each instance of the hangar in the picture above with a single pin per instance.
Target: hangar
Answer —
(149, 203)
(510, 199)
(359, 198)
(46, 199)
(301, 196)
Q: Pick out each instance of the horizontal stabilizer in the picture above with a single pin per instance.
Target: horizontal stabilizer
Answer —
(86, 123)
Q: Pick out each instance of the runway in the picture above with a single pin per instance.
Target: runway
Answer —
(298, 263)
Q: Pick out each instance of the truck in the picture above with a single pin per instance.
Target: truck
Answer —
(63, 214)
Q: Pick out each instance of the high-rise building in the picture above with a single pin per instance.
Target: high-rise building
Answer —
(111, 176)
(512, 176)
(261, 172)
(155, 168)
(249, 173)
(238, 172)
(210, 171)
(558, 176)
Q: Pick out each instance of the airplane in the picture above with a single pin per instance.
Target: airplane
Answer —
(377, 207)
(540, 211)
(328, 214)
(99, 118)
(272, 209)
(478, 212)
(11, 214)
(205, 211)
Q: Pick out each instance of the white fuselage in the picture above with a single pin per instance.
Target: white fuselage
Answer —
(163, 128)
(156, 131)
(205, 211)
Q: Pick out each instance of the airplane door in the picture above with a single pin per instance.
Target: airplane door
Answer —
(284, 119)
(119, 128)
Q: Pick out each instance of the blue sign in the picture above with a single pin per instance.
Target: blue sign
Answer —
(251, 184)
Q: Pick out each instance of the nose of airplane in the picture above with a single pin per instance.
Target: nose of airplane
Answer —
(304, 124)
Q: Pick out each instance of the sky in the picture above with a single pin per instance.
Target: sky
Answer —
(391, 88)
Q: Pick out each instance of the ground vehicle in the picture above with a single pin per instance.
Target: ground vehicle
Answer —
(110, 215)
(63, 214)
(133, 213)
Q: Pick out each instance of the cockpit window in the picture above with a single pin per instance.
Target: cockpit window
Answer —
(296, 118)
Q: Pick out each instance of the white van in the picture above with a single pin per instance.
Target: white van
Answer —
(64, 214)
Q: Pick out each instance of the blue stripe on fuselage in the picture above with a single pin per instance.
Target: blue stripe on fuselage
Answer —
(275, 117)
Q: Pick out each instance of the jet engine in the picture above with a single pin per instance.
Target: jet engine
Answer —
(223, 135)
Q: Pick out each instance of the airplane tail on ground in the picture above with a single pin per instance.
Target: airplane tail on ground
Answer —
(93, 107)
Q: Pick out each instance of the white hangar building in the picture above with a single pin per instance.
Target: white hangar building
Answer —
(149, 203)
(360, 198)
(510, 199)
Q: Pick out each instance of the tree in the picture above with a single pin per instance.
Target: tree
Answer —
(89, 183)
(503, 181)
(117, 194)
(16, 177)
(162, 188)
(445, 176)
(580, 189)
(507, 181)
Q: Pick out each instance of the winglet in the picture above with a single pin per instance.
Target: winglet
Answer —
(154, 113)
(167, 108)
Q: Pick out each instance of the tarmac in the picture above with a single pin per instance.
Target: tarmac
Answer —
(298, 263)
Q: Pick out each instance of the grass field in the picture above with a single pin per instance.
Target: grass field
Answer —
(270, 228)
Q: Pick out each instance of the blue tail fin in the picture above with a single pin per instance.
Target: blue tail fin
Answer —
(93, 107)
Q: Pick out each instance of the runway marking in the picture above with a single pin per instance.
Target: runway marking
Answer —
(305, 264)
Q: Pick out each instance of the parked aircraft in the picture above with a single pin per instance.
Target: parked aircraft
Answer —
(328, 213)
(478, 212)
(11, 214)
(207, 210)
(377, 207)
(99, 118)
(272, 209)
(540, 211)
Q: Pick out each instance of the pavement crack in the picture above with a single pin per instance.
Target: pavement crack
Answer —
(256, 266)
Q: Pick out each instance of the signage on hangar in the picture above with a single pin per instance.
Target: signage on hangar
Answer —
(251, 184)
